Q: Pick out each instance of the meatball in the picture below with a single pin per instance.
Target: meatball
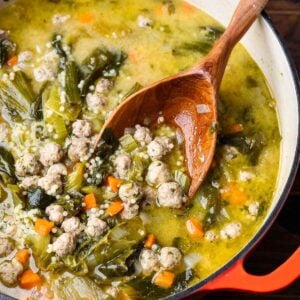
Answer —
(95, 102)
(169, 257)
(79, 149)
(27, 164)
(82, 128)
(129, 211)
(64, 244)
(149, 261)
(57, 169)
(103, 85)
(43, 73)
(50, 154)
(55, 213)
(142, 135)
(143, 21)
(158, 172)
(28, 182)
(4, 132)
(122, 164)
(51, 184)
(253, 208)
(72, 225)
(25, 56)
(10, 271)
(95, 227)
(150, 195)
(130, 193)
(159, 147)
(170, 194)
(231, 231)
(6, 246)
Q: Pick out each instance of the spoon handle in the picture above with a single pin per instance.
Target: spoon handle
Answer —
(244, 16)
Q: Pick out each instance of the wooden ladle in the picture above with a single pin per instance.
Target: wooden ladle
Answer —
(188, 100)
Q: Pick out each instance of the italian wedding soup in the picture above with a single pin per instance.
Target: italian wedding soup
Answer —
(116, 223)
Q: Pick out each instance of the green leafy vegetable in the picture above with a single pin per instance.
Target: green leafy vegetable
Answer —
(100, 63)
(17, 96)
(36, 112)
(71, 203)
(58, 46)
(75, 178)
(14, 190)
(183, 180)
(5, 47)
(139, 167)
(7, 162)
(37, 198)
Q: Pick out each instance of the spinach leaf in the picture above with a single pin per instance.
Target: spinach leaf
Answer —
(58, 46)
(5, 47)
(37, 198)
(7, 163)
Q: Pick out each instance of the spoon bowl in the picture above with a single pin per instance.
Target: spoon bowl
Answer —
(188, 101)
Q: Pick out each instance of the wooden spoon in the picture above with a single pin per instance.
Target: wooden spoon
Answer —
(188, 100)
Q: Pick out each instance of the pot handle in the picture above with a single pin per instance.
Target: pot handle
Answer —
(236, 278)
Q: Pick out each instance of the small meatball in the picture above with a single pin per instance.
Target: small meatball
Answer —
(82, 128)
(55, 213)
(158, 173)
(51, 184)
(28, 164)
(171, 195)
(159, 147)
(129, 211)
(95, 102)
(130, 193)
(210, 236)
(169, 257)
(25, 56)
(43, 73)
(50, 154)
(150, 195)
(231, 231)
(142, 135)
(28, 182)
(149, 261)
(122, 164)
(95, 227)
(253, 208)
(79, 149)
(10, 271)
(57, 169)
(72, 225)
(246, 175)
(60, 19)
(230, 152)
(6, 246)
(103, 85)
(4, 133)
(64, 244)
(143, 21)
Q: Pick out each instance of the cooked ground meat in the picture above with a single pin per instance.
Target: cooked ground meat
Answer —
(149, 261)
(64, 244)
(50, 154)
(158, 173)
(27, 164)
(170, 194)
(95, 227)
(10, 271)
(169, 257)
(55, 213)
(6, 246)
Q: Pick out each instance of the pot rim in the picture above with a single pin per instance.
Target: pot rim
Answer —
(284, 195)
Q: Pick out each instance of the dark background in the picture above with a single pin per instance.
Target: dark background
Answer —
(284, 237)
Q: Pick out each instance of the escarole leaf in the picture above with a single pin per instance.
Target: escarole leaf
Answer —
(7, 162)
(100, 63)
(17, 96)
(6, 46)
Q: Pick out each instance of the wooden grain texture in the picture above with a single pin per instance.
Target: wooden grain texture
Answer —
(284, 237)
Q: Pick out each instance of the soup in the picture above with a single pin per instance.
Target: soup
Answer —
(116, 223)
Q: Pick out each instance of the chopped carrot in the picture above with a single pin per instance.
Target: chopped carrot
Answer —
(115, 207)
(113, 183)
(150, 240)
(233, 194)
(188, 8)
(86, 18)
(43, 227)
(12, 61)
(164, 279)
(29, 279)
(90, 201)
(22, 256)
(158, 10)
(133, 56)
(194, 228)
(236, 128)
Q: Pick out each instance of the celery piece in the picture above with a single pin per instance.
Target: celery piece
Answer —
(17, 96)
(183, 180)
(128, 143)
(70, 111)
(138, 168)
(75, 178)
(59, 126)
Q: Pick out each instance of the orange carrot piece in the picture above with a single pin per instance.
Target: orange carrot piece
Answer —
(236, 128)
(151, 238)
(158, 10)
(233, 194)
(114, 208)
(29, 279)
(188, 8)
(194, 228)
(86, 18)
(12, 61)
(113, 183)
(43, 227)
(22, 256)
(90, 201)
(164, 279)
